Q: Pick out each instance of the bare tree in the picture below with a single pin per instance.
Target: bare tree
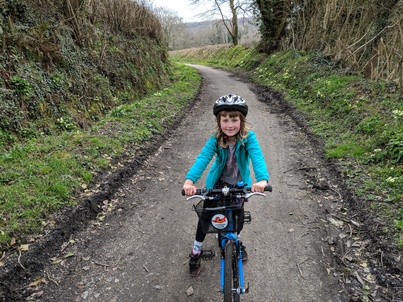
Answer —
(228, 11)
(171, 23)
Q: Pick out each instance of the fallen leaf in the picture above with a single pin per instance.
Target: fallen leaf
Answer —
(190, 291)
(36, 282)
(56, 261)
(24, 247)
(336, 222)
(68, 255)
(36, 295)
(355, 223)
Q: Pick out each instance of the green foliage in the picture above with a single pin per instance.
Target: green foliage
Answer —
(395, 148)
(40, 175)
(346, 150)
(399, 227)
(65, 124)
(370, 125)
(63, 71)
(53, 82)
(21, 86)
(235, 57)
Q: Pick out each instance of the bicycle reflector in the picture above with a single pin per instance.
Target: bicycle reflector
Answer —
(219, 221)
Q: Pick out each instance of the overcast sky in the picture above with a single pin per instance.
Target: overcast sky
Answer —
(183, 8)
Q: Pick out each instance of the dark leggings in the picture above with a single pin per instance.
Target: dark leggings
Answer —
(200, 235)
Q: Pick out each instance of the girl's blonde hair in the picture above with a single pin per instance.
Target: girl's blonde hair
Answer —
(222, 139)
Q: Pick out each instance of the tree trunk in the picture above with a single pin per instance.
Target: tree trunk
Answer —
(273, 21)
(235, 30)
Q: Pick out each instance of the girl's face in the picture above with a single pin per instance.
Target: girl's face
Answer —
(230, 125)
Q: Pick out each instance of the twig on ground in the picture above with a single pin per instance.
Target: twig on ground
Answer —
(345, 255)
(101, 264)
(307, 168)
(139, 162)
(342, 219)
(19, 258)
(298, 266)
(351, 231)
(107, 265)
(50, 279)
(359, 278)
(300, 272)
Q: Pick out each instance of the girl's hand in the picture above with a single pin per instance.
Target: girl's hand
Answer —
(189, 188)
(259, 186)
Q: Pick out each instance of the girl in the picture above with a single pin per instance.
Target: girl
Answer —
(234, 146)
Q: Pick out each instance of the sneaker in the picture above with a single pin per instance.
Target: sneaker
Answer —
(195, 264)
(244, 253)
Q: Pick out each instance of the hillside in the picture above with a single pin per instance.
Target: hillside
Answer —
(64, 65)
(80, 87)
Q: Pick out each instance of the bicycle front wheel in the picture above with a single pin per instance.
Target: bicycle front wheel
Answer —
(231, 278)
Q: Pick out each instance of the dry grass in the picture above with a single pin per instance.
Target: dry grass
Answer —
(121, 16)
(367, 36)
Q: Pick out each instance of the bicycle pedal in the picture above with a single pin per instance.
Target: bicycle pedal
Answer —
(208, 254)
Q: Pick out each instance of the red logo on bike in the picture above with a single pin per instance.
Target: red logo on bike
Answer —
(219, 221)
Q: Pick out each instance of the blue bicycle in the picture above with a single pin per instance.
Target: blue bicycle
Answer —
(221, 211)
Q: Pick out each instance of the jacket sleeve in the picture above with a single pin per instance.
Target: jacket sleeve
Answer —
(203, 159)
(257, 157)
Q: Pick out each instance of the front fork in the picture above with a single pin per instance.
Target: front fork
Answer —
(223, 240)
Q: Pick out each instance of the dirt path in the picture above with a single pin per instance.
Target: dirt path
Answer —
(139, 251)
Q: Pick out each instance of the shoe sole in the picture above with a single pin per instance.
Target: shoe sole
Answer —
(196, 273)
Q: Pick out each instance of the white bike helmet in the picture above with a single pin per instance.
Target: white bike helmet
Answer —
(230, 102)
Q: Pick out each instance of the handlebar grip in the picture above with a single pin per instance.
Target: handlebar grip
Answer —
(268, 188)
(198, 192)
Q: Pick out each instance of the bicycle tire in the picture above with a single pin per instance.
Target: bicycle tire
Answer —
(231, 278)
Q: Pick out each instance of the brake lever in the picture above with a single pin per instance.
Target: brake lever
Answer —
(247, 195)
(196, 196)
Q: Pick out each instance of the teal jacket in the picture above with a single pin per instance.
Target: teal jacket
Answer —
(246, 150)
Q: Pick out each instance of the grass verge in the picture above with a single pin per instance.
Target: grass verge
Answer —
(41, 175)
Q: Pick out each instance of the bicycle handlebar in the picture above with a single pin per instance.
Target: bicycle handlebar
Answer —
(206, 192)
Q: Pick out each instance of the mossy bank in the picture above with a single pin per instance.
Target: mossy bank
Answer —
(80, 87)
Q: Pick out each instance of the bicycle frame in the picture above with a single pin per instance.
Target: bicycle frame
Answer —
(228, 237)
